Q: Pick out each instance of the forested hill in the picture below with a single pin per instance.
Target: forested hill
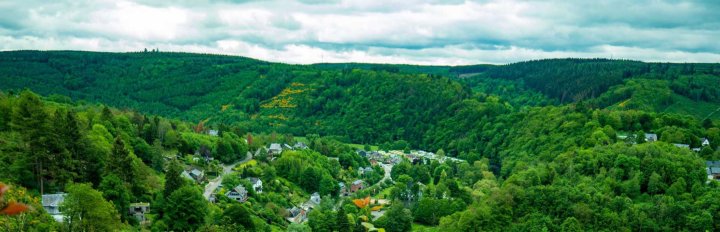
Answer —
(364, 106)
(361, 103)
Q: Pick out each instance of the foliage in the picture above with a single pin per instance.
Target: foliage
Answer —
(85, 209)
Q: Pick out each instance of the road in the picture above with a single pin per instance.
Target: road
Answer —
(227, 169)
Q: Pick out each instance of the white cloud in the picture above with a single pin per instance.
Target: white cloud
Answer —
(390, 31)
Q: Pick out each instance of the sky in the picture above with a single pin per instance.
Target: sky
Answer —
(431, 32)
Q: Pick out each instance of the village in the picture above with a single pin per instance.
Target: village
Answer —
(298, 213)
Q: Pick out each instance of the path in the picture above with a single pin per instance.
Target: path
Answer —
(227, 169)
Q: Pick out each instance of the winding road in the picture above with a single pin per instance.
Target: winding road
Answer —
(227, 169)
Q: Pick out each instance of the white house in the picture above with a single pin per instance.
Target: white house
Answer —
(275, 149)
(238, 193)
(51, 203)
(138, 210)
(705, 142)
(256, 184)
(650, 137)
(315, 198)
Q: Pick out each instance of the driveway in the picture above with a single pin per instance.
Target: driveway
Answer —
(227, 169)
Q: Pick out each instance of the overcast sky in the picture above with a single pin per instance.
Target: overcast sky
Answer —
(380, 31)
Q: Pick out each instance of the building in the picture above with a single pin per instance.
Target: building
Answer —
(705, 142)
(256, 183)
(357, 185)
(365, 170)
(300, 146)
(239, 193)
(51, 203)
(194, 175)
(275, 149)
(650, 137)
(213, 132)
(296, 215)
(680, 145)
(713, 169)
(138, 210)
(343, 190)
(315, 198)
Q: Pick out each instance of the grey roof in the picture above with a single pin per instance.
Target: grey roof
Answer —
(649, 136)
(196, 172)
(357, 182)
(681, 145)
(715, 170)
(53, 199)
(254, 180)
(275, 146)
(711, 163)
(140, 204)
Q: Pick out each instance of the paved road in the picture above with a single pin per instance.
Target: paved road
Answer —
(214, 183)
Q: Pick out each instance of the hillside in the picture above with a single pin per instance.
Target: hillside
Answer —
(563, 156)
(341, 99)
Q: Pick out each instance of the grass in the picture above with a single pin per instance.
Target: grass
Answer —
(362, 146)
(424, 228)
(383, 194)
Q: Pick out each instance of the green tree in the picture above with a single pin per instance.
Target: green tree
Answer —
(655, 184)
(30, 120)
(85, 209)
(571, 225)
(237, 214)
(319, 221)
(120, 162)
(173, 178)
(186, 209)
(328, 186)
(342, 222)
(114, 190)
(399, 219)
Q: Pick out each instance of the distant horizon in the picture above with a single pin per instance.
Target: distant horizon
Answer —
(354, 62)
(421, 32)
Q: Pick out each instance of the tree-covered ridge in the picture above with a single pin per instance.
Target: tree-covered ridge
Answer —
(254, 95)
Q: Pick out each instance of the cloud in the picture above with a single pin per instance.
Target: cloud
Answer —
(388, 31)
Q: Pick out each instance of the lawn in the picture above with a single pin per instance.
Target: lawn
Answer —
(424, 228)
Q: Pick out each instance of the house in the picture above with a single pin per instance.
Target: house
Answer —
(650, 137)
(194, 175)
(238, 193)
(51, 203)
(696, 149)
(287, 147)
(705, 142)
(256, 184)
(680, 145)
(138, 210)
(213, 133)
(300, 146)
(713, 173)
(343, 190)
(373, 162)
(713, 169)
(275, 149)
(365, 170)
(357, 185)
(315, 198)
(296, 215)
